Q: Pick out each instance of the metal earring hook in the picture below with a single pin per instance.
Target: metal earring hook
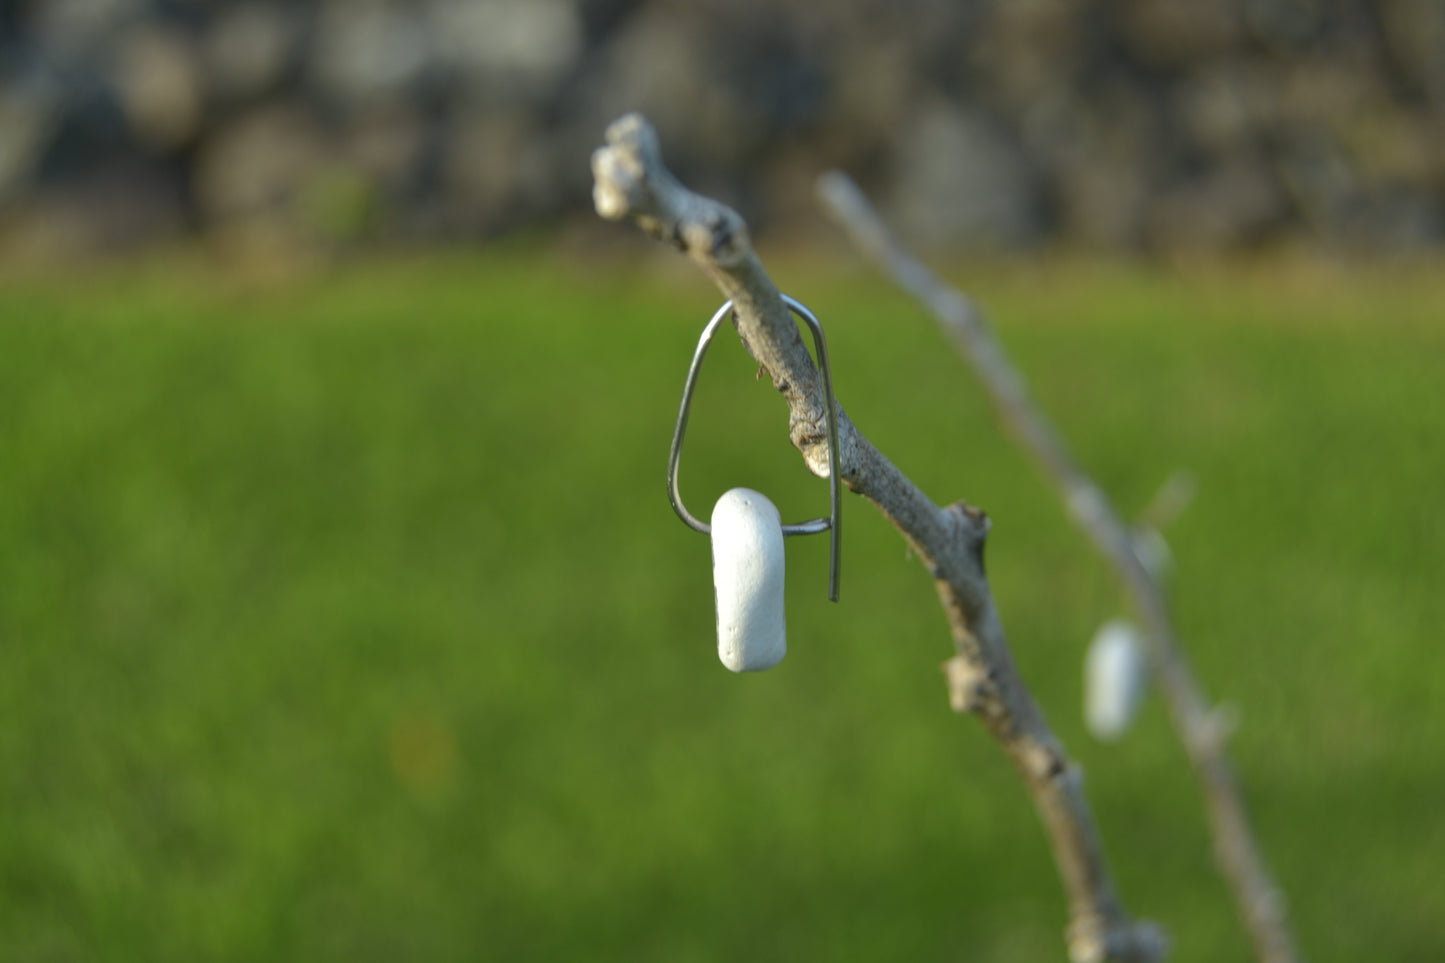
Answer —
(833, 523)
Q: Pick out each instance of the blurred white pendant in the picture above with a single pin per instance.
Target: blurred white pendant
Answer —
(747, 574)
(1114, 679)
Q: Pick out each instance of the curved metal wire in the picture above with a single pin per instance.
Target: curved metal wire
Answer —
(834, 522)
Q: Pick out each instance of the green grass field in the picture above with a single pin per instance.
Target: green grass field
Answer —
(344, 618)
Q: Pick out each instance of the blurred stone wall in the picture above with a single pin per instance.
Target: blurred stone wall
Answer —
(1155, 125)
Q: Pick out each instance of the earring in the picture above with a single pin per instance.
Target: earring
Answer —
(747, 531)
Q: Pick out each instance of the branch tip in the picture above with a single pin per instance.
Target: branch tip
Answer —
(621, 169)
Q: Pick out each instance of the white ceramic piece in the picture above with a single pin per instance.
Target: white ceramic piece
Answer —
(747, 574)
(1114, 679)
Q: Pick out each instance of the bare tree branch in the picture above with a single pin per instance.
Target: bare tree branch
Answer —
(1201, 729)
(631, 182)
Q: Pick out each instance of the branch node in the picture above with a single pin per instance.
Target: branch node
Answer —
(1045, 763)
(629, 179)
(1087, 504)
(1216, 727)
(974, 519)
(1093, 939)
(972, 525)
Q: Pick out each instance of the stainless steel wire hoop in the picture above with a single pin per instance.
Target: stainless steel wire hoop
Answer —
(833, 523)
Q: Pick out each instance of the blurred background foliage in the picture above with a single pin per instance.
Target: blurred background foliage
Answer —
(1168, 126)
(342, 615)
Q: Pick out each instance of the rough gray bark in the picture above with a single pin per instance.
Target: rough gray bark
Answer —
(1201, 729)
(631, 182)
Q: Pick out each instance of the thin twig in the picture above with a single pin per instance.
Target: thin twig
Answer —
(1169, 501)
(631, 182)
(1259, 901)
